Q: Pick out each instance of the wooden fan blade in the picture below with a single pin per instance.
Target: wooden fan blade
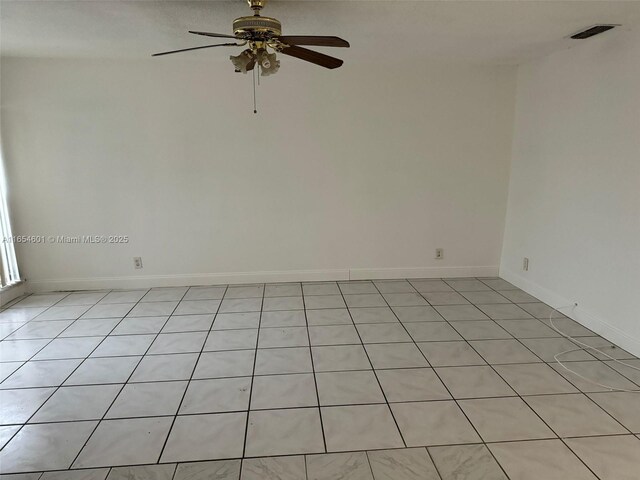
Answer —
(196, 48)
(313, 57)
(208, 34)
(314, 40)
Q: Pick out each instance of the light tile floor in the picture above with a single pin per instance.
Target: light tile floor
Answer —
(406, 380)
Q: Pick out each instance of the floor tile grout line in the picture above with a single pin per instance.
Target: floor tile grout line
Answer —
(444, 384)
(253, 374)
(315, 378)
(195, 365)
(529, 407)
(395, 421)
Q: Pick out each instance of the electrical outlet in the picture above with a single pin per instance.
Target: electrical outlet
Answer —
(137, 262)
(525, 264)
(439, 254)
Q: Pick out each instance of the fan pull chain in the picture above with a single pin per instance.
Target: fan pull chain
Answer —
(255, 110)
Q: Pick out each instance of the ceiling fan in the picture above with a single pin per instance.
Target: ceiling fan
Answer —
(263, 34)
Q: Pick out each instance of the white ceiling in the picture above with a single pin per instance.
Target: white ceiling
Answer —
(484, 32)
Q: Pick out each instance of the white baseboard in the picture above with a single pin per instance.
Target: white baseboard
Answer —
(422, 272)
(581, 315)
(148, 281)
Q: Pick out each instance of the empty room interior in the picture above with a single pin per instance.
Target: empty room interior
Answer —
(319, 240)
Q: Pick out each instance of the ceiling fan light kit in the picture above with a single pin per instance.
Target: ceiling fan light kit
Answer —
(263, 35)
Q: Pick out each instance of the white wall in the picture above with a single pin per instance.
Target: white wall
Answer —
(361, 171)
(574, 194)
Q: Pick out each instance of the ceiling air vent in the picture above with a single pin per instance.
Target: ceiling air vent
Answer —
(591, 31)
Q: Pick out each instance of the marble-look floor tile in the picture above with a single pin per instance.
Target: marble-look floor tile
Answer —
(219, 340)
(285, 318)
(148, 400)
(360, 427)
(233, 321)
(16, 314)
(87, 474)
(348, 388)
(164, 294)
(474, 382)
(433, 423)
(411, 384)
(40, 300)
(365, 300)
(109, 310)
(504, 311)
(480, 330)
(205, 293)
(35, 330)
(417, 314)
(430, 285)
(402, 464)
(61, 348)
(49, 446)
(548, 459)
(68, 312)
(541, 310)
(283, 290)
(320, 288)
(466, 285)
(610, 458)
(103, 370)
(486, 297)
(237, 305)
(623, 406)
(383, 332)
(283, 337)
(237, 363)
(317, 302)
(274, 468)
(338, 466)
(498, 283)
(20, 350)
(355, 288)
(157, 368)
(394, 286)
(244, 291)
(534, 379)
(466, 462)
(7, 368)
(130, 441)
(548, 348)
(153, 309)
(91, 327)
(188, 342)
(395, 355)
(373, 315)
(272, 304)
(498, 352)
(284, 432)
(275, 361)
(432, 332)
(139, 325)
(340, 358)
(334, 335)
(217, 395)
(283, 391)
(6, 433)
(188, 323)
(206, 437)
(531, 328)
(329, 316)
(453, 313)
(445, 298)
(404, 299)
(18, 405)
(450, 354)
(77, 403)
(143, 472)
(45, 373)
(118, 346)
(574, 415)
(505, 419)
(517, 296)
(197, 307)
(123, 296)
(216, 470)
(594, 376)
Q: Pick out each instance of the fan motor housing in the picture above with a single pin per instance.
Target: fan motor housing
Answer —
(256, 26)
